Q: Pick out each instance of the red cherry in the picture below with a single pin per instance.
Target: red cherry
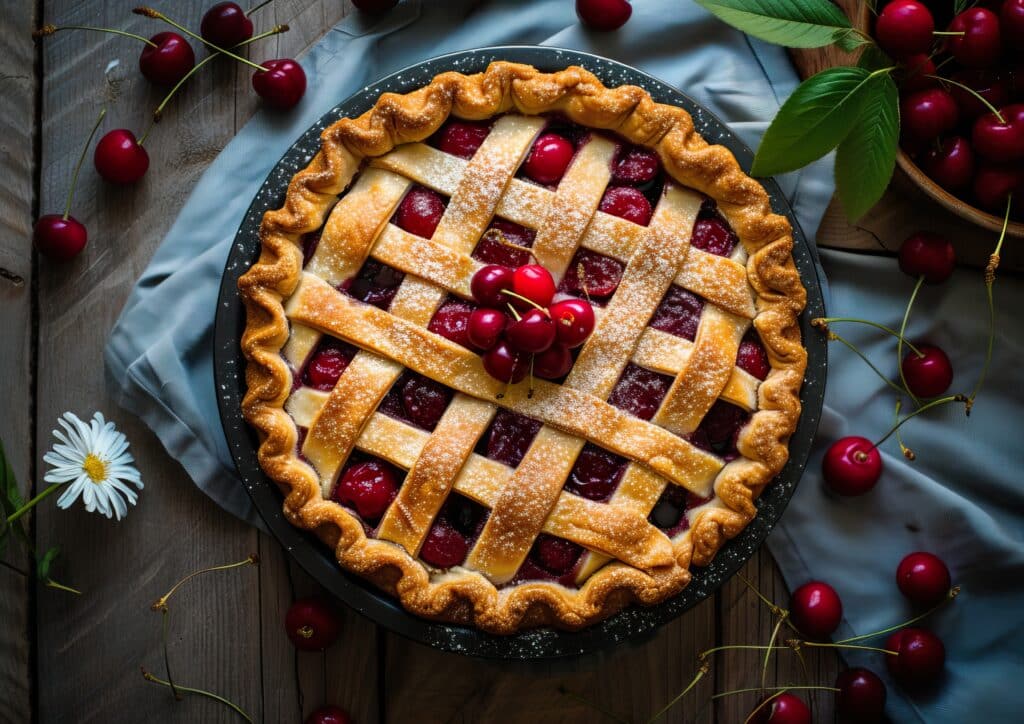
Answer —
(928, 255)
(329, 715)
(904, 27)
(374, 6)
(325, 368)
(603, 15)
(637, 165)
(548, 159)
(753, 358)
(282, 84)
(574, 321)
(505, 364)
(1000, 141)
(987, 84)
(713, 236)
(923, 578)
(490, 283)
(785, 708)
(533, 282)
(424, 401)
(917, 68)
(452, 322)
(462, 138)
(928, 114)
(601, 275)
(119, 158)
(994, 184)
(312, 624)
(815, 609)
(486, 326)
(627, 203)
(597, 472)
(929, 375)
(1011, 22)
(444, 546)
(558, 555)
(169, 61)
(851, 466)
(369, 487)
(225, 25)
(861, 697)
(553, 363)
(920, 657)
(533, 333)
(420, 212)
(951, 165)
(980, 45)
(57, 238)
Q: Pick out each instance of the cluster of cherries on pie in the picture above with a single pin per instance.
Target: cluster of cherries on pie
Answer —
(509, 331)
(955, 137)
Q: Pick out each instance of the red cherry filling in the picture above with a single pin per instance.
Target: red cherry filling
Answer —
(509, 437)
(721, 424)
(669, 513)
(600, 275)
(368, 486)
(753, 358)
(444, 546)
(627, 203)
(375, 284)
(491, 250)
(639, 391)
(462, 138)
(679, 313)
(465, 515)
(310, 242)
(327, 363)
(636, 165)
(714, 236)
(557, 555)
(548, 159)
(420, 212)
(596, 473)
(417, 399)
(452, 321)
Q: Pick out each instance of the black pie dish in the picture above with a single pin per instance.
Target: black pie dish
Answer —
(634, 623)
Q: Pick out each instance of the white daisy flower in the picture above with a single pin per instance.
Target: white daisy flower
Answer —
(93, 457)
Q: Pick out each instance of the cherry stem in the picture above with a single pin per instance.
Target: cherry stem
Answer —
(515, 312)
(78, 166)
(907, 452)
(949, 32)
(973, 92)
(188, 689)
(833, 336)
(822, 322)
(768, 651)
(899, 339)
(953, 593)
(797, 644)
(762, 705)
(990, 280)
(499, 236)
(164, 625)
(608, 713)
(254, 8)
(779, 689)
(704, 668)
(157, 15)
(47, 492)
(918, 411)
(581, 275)
(524, 299)
(161, 603)
(51, 29)
(50, 583)
(777, 610)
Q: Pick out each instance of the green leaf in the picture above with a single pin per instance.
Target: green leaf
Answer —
(874, 58)
(45, 561)
(960, 5)
(866, 157)
(793, 23)
(820, 113)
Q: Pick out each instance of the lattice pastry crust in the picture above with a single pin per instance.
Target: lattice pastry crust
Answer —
(379, 155)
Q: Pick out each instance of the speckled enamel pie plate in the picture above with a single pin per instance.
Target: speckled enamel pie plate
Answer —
(543, 643)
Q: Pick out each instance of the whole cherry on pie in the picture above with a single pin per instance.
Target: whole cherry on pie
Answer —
(281, 83)
(815, 609)
(329, 715)
(861, 696)
(549, 158)
(489, 285)
(574, 321)
(312, 624)
(505, 363)
(923, 578)
(928, 374)
(167, 60)
(369, 487)
(786, 708)
(533, 282)
(553, 363)
(852, 465)
(226, 25)
(920, 657)
(532, 333)
(486, 326)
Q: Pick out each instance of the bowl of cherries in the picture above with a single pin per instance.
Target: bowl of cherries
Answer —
(961, 83)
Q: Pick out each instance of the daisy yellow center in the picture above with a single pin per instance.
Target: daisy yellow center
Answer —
(95, 468)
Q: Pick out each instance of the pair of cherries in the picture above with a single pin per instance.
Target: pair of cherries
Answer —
(313, 624)
(533, 332)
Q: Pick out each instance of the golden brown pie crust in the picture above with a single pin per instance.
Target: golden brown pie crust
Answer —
(464, 596)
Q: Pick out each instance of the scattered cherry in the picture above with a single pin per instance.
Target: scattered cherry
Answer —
(851, 466)
(815, 609)
(603, 15)
(1000, 140)
(923, 578)
(785, 708)
(505, 364)
(861, 697)
(444, 546)
(369, 487)
(553, 363)
(628, 203)
(462, 138)
(928, 255)
(281, 84)
(574, 321)
(119, 158)
(920, 657)
(993, 185)
(904, 28)
(169, 61)
(329, 715)
(637, 165)
(489, 284)
(420, 212)
(929, 113)
(930, 374)
(980, 45)
(312, 624)
(753, 358)
(534, 332)
(951, 165)
(225, 25)
(59, 238)
(486, 326)
(533, 282)
(548, 159)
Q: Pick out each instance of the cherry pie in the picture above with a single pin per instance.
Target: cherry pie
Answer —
(484, 494)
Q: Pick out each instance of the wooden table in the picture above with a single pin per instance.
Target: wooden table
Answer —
(67, 658)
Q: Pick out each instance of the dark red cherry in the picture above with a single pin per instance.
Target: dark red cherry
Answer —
(951, 165)
(928, 114)
(533, 333)
(374, 6)
(282, 84)
(329, 715)
(462, 138)
(596, 473)
(1011, 23)
(574, 321)
(604, 15)
(494, 248)
(548, 159)
(919, 660)
(990, 85)
(376, 284)
(444, 546)
(815, 609)
(119, 158)
(369, 487)
(505, 364)
(904, 27)
(225, 25)
(851, 466)
(916, 69)
(930, 374)
(1000, 141)
(57, 238)
(980, 45)
(628, 203)
(600, 275)
(489, 285)
(558, 555)
(510, 436)
(636, 165)
(993, 185)
(785, 708)
(713, 236)
(485, 327)
(639, 391)
(861, 697)
(923, 578)
(425, 400)
(753, 358)
(169, 61)
(553, 363)
(533, 282)
(312, 624)
(928, 255)
(420, 212)
(679, 313)
(328, 362)
(452, 322)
